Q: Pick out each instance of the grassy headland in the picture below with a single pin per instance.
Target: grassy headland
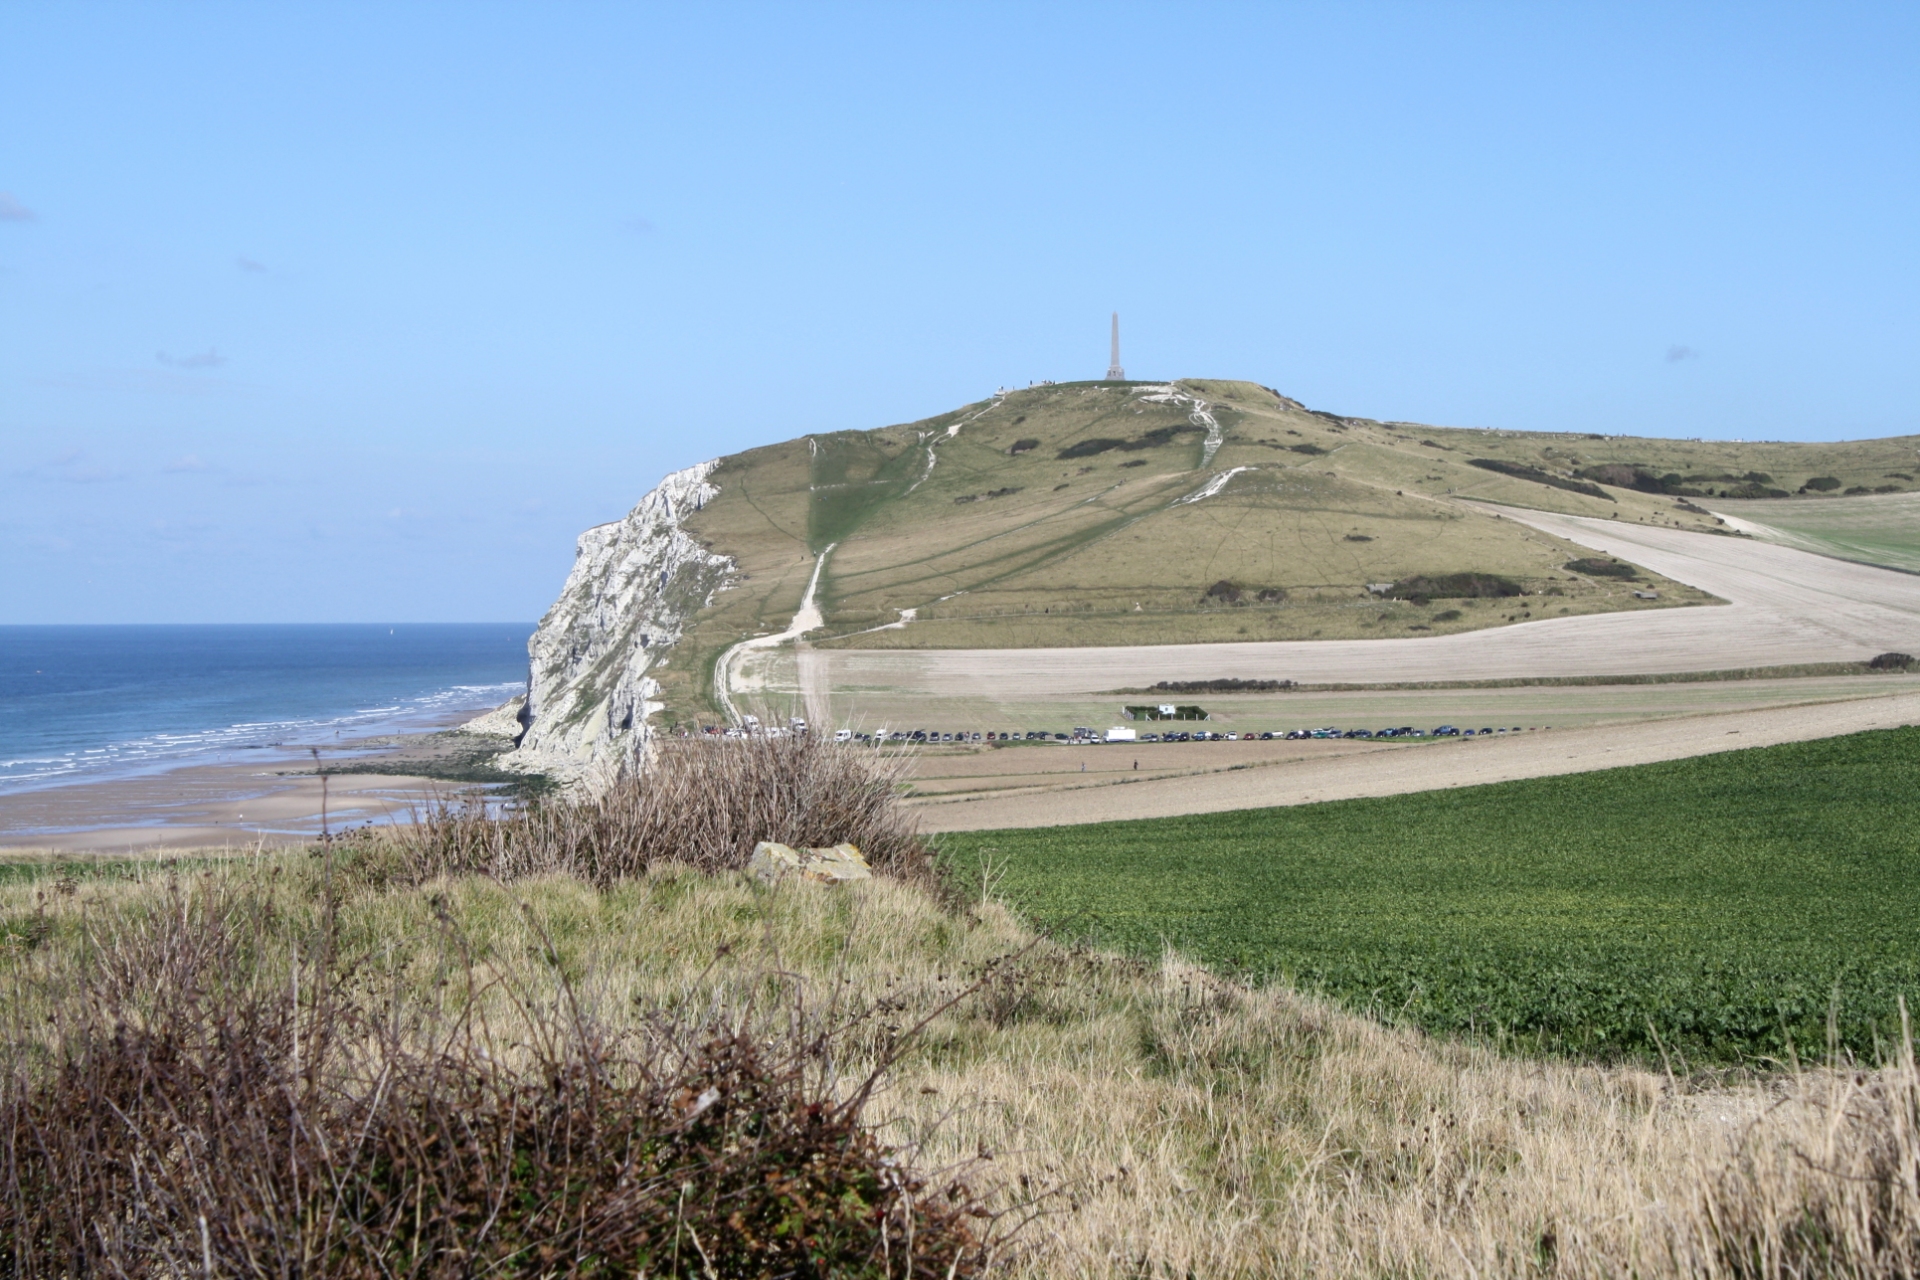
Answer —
(1206, 510)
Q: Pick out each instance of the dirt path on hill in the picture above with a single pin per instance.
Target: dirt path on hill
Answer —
(1042, 787)
(725, 680)
(1787, 607)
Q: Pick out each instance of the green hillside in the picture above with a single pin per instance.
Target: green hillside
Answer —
(1883, 529)
(1100, 513)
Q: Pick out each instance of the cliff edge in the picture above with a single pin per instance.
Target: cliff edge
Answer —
(633, 586)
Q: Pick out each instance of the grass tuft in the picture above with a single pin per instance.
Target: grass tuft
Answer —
(701, 802)
(193, 1106)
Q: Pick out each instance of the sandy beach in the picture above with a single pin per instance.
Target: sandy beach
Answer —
(270, 798)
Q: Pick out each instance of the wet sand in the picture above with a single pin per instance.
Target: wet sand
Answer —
(270, 798)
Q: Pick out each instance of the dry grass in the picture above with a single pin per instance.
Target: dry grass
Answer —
(700, 803)
(187, 1090)
(1183, 1125)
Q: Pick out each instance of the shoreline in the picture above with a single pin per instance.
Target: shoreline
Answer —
(272, 799)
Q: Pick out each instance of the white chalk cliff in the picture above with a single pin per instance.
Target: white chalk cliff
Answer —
(634, 585)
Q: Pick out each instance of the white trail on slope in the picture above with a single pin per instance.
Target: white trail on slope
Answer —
(1200, 415)
(806, 619)
(953, 430)
(1212, 486)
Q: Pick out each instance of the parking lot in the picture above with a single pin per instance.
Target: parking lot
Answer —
(968, 787)
(1123, 735)
(976, 771)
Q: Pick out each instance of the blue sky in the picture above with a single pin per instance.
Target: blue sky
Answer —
(362, 312)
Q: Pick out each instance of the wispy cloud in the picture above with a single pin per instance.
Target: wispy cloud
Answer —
(1676, 354)
(208, 359)
(74, 466)
(248, 264)
(12, 210)
(174, 531)
(637, 226)
(139, 382)
(189, 462)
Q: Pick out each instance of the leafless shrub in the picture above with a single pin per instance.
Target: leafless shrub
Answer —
(703, 803)
(188, 1117)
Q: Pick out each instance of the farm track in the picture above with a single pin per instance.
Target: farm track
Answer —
(1785, 607)
(1204, 778)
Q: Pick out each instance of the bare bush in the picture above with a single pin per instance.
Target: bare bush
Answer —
(203, 1122)
(703, 803)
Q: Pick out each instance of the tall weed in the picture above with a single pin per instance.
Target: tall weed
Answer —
(703, 803)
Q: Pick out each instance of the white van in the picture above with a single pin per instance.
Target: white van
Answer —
(1121, 735)
(843, 735)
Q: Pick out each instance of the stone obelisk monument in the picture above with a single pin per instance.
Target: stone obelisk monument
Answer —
(1114, 372)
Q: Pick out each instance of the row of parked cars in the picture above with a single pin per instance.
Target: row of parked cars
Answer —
(1085, 736)
(1406, 731)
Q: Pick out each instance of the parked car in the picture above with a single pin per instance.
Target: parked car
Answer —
(1446, 731)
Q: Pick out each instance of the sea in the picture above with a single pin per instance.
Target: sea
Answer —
(92, 703)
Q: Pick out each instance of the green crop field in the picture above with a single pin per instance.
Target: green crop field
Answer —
(1722, 908)
(1883, 529)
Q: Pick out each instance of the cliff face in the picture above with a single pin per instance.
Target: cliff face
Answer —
(634, 585)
